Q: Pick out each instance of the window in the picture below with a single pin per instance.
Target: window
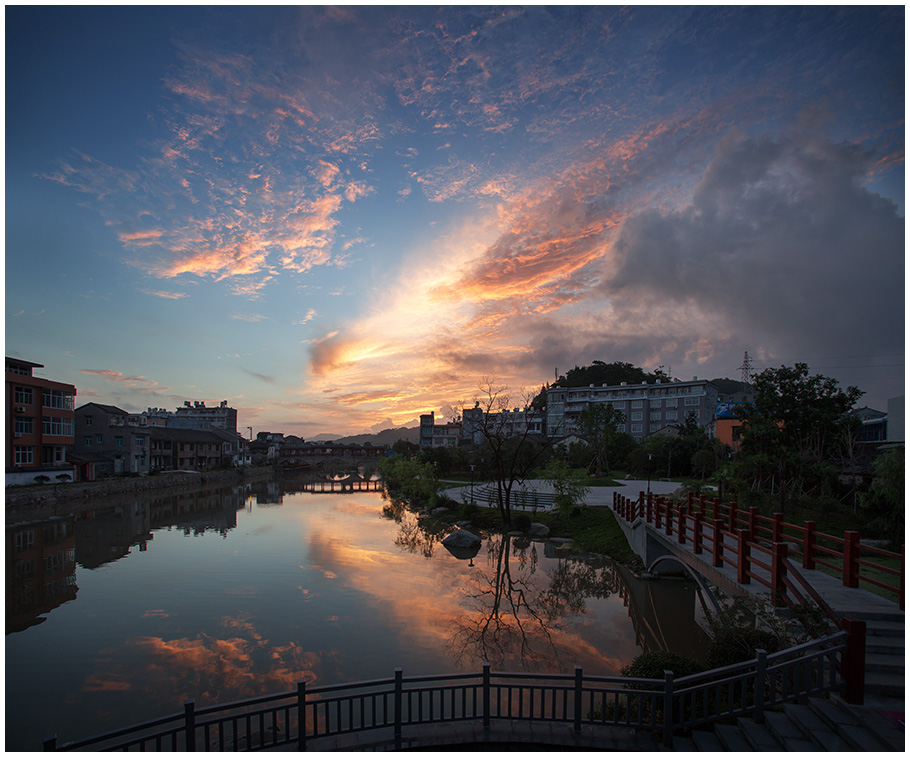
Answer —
(619, 403)
(118, 440)
(655, 416)
(87, 419)
(53, 426)
(655, 427)
(140, 441)
(637, 416)
(636, 403)
(23, 426)
(99, 438)
(22, 395)
(670, 403)
(25, 539)
(57, 399)
(24, 455)
(20, 369)
(636, 428)
(690, 401)
(25, 568)
(671, 415)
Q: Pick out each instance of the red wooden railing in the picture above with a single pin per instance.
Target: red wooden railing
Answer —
(764, 542)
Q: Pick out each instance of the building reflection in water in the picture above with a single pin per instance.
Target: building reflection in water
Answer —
(40, 570)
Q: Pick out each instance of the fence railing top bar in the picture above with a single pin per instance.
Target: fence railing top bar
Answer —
(329, 688)
(442, 678)
(264, 699)
(877, 551)
(135, 728)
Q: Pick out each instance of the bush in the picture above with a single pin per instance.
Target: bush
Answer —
(732, 645)
(653, 665)
(521, 522)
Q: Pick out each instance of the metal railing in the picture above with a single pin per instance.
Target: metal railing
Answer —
(297, 719)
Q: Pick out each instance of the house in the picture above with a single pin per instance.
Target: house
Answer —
(185, 449)
(647, 408)
(40, 424)
(110, 442)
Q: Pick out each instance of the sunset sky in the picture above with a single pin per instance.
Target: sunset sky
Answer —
(338, 218)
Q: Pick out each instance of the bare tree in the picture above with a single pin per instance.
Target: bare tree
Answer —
(513, 448)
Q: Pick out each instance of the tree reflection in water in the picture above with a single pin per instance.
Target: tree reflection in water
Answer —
(515, 614)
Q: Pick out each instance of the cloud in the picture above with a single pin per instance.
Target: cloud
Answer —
(248, 317)
(120, 378)
(165, 295)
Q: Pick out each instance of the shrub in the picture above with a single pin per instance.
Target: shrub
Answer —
(653, 665)
(521, 522)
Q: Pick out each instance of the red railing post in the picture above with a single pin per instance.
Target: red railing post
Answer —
(851, 556)
(657, 512)
(681, 523)
(696, 539)
(809, 545)
(718, 552)
(649, 505)
(902, 579)
(690, 496)
(701, 503)
(734, 518)
(715, 512)
(742, 560)
(853, 661)
(668, 529)
(778, 573)
(777, 527)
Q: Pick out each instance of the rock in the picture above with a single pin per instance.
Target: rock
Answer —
(461, 539)
(437, 511)
(538, 531)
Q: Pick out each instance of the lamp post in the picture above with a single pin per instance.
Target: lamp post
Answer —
(472, 484)
(649, 475)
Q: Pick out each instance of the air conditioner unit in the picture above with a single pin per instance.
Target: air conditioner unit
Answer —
(20, 409)
(17, 434)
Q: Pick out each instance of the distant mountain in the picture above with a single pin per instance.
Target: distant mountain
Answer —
(728, 386)
(384, 438)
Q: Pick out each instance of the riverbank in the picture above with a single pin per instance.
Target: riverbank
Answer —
(27, 502)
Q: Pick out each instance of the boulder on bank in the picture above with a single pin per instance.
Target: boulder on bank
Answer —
(538, 531)
(462, 539)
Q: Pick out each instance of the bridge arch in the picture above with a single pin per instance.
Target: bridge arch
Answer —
(704, 591)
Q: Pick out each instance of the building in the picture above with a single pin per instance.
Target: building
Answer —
(896, 419)
(40, 424)
(110, 442)
(647, 408)
(434, 434)
(185, 449)
(194, 415)
(515, 422)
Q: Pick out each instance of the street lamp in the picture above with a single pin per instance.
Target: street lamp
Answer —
(472, 484)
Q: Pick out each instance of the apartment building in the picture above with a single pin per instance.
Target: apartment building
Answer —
(433, 434)
(186, 449)
(647, 408)
(515, 422)
(40, 424)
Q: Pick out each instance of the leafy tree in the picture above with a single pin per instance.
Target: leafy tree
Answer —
(884, 502)
(791, 429)
(409, 480)
(597, 425)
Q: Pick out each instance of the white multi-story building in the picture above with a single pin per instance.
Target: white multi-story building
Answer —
(647, 408)
(515, 422)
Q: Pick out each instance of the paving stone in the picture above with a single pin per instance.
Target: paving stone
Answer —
(732, 738)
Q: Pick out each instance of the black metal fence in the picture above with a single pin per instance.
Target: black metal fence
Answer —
(298, 719)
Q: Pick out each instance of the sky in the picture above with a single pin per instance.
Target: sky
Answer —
(339, 218)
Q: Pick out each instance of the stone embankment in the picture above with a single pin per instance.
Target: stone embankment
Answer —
(28, 502)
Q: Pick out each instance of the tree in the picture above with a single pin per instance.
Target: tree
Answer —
(792, 428)
(597, 425)
(884, 503)
(510, 452)
(568, 485)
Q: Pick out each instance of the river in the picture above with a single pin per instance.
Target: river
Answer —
(121, 613)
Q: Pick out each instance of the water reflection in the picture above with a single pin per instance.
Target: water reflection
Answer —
(243, 591)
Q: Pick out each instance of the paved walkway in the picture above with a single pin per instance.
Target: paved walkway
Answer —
(598, 496)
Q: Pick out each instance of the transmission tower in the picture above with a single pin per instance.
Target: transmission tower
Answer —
(746, 368)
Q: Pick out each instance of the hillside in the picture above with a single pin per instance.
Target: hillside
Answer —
(384, 438)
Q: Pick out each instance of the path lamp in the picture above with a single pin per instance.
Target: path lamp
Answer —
(649, 475)
(472, 484)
